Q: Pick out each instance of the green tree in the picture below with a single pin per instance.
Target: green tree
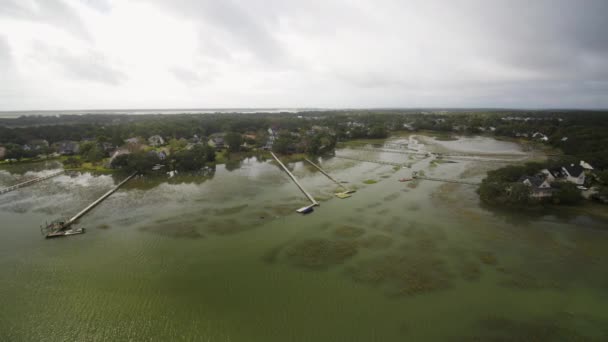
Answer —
(234, 141)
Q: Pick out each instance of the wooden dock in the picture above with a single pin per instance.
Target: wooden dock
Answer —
(309, 196)
(63, 228)
(378, 149)
(374, 161)
(30, 182)
(345, 193)
(445, 180)
(99, 200)
(456, 156)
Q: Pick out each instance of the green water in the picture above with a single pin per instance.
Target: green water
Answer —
(226, 258)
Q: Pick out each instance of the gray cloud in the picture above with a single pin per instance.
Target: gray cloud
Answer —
(51, 12)
(6, 59)
(230, 22)
(92, 66)
(332, 53)
(103, 6)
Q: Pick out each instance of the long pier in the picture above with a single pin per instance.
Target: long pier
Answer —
(445, 180)
(29, 182)
(312, 199)
(326, 174)
(459, 156)
(373, 161)
(376, 149)
(99, 200)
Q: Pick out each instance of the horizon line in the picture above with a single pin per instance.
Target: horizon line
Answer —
(261, 109)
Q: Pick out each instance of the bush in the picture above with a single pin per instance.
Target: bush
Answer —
(567, 193)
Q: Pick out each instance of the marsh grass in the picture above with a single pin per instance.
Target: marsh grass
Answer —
(348, 232)
(320, 253)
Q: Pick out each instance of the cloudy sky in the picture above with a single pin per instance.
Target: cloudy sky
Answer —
(86, 54)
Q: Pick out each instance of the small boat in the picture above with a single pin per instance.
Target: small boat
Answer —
(306, 210)
(342, 195)
(66, 232)
(405, 179)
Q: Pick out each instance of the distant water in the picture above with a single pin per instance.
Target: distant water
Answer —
(13, 114)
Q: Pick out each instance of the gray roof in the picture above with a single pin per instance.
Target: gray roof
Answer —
(574, 170)
(535, 181)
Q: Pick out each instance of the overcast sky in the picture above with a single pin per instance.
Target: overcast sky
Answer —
(87, 54)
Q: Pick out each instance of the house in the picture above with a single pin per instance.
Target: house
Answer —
(67, 148)
(272, 136)
(553, 174)
(38, 144)
(2, 152)
(540, 187)
(574, 174)
(564, 139)
(134, 140)
(217, 141)
(156, 140)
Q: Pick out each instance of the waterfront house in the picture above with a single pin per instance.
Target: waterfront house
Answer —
(540, 187)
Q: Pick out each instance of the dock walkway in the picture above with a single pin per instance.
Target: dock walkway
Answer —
(29, 182)
(445, 180)
(382, 162)
(99, 200)
(326, 174)
(309, 196)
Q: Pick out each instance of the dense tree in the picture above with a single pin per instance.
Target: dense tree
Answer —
(234, 141)
(141, 162)
(92, 151)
